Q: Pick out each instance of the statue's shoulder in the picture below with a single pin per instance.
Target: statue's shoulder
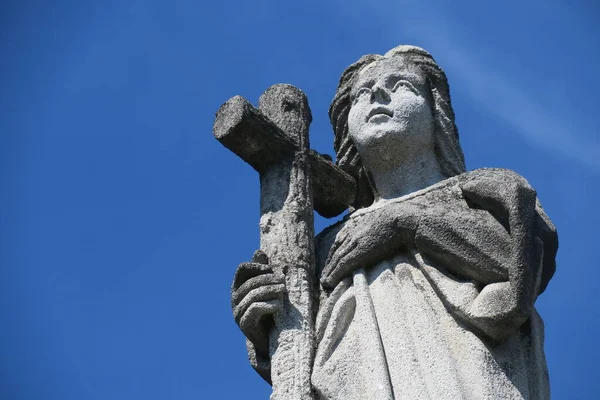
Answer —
(501, 177)
(514, 192)
(503, 185)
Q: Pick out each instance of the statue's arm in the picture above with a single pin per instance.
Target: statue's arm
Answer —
(504, 242)
(470, 244)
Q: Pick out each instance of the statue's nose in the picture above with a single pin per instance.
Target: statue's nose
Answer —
(379, 93)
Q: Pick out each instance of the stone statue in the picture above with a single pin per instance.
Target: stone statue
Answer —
(426, 289)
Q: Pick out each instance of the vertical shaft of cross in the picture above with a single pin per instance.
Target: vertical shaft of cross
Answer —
(294, 181)
(287, 232)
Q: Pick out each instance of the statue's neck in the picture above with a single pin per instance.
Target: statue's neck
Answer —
(413, 173)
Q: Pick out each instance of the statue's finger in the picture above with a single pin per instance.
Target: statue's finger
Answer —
(253, 323)
(333, 259)
(340, 264)
(261, 294)
(340, 239)
(254, 283)
(246, 271)
(352, 259)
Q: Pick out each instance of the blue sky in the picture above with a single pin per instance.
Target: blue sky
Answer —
(123, 219)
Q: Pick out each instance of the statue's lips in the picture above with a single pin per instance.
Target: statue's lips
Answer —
(379, 111)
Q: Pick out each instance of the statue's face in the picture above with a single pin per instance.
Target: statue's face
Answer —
(391, 108)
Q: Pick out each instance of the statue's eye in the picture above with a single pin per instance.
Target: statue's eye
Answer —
(401, 83)
(361, 93)
(404, 84)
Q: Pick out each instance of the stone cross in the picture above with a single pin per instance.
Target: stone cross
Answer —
(273, 139)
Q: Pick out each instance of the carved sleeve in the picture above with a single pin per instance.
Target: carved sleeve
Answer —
(493, 258)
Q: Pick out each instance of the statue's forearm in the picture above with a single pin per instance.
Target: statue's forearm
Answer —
(470, 244)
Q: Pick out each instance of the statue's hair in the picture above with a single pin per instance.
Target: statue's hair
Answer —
(447, 147)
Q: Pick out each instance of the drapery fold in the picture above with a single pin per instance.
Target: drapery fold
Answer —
(451, 315)
(387, 335)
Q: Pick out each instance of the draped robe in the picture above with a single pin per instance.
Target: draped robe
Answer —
(451, 315)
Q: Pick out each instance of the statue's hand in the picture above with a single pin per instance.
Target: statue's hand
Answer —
(370, 238)
(256, 295)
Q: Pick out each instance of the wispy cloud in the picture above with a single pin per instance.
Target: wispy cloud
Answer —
(504, 98)
(487, 87)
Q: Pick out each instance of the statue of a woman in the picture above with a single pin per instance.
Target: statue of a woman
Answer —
(427, 287)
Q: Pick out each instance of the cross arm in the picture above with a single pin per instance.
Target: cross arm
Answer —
(247, 132)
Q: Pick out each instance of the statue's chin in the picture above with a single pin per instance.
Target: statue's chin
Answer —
(385, 132)
(386, 142)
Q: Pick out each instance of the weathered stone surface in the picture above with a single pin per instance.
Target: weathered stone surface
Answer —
(273, 296)
(256, 139)
(450, 313)
(426, 290)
